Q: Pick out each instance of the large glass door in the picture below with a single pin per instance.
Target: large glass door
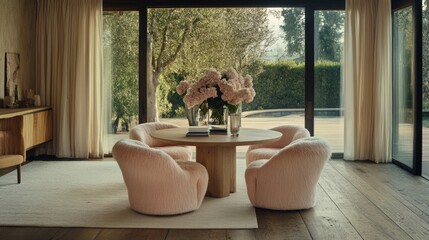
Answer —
(121, 72)
(328, 55)
(425, 89)
(403, 87)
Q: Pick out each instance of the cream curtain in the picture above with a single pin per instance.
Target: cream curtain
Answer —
(368, 80)
(68, 73)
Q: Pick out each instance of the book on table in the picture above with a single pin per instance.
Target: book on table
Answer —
(198, 131)
(219, 129)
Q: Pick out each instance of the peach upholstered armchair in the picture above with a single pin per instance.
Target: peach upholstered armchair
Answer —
(156, 183)
(288, 180)
(12, 152)
(142, 132)
(290, 133)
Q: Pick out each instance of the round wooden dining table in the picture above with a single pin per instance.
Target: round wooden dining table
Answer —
(217, 153)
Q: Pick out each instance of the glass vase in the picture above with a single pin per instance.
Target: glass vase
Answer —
(218, 120)
(192, 114)
(234, 123)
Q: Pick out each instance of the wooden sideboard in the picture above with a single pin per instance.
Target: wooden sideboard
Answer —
(36, 124)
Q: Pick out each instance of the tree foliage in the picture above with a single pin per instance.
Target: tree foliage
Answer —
(294, 29)
(331, 26)
(328, 33)
(215, 37)
(121, 63)
(227, 37)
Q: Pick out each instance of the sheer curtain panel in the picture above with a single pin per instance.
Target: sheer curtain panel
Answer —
(68, 73)
(368, 80)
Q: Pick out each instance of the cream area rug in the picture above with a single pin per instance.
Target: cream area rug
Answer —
(93, 194)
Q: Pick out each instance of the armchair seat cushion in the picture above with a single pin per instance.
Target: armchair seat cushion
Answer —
(10, 160)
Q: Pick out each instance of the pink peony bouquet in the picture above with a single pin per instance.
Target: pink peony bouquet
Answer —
(218, 89)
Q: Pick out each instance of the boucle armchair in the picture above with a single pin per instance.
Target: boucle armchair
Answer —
(142, 132)
(12, 151)
(290, 133)
(156, 183)
(288, 180)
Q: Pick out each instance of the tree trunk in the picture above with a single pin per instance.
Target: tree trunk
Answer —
(150, 86)
(152, 109)
(115, 125)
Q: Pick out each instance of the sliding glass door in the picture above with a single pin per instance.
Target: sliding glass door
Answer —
(425, 89)
(328, 56)
(121, 72)
(403, 87)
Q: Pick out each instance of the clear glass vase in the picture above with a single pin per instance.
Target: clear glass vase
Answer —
(218, 120)
(234, 123)
(192, 114)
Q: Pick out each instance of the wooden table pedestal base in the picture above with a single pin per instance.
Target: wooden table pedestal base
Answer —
(220, 164)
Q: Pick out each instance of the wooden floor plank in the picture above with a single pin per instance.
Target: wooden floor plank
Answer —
(77, 233)
(245, 234)
(326, 221)
(184, 234)
(366, 218)
(410, 190)
(132, 233)
(411, 223)
(275, 225)
(27, 233)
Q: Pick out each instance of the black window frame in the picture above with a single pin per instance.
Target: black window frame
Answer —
(310, 7)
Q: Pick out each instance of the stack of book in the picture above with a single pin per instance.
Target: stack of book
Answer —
(198, 131)
(218, 129)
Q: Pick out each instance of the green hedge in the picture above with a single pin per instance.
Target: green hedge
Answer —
(279, 85)
(282, 85)
(327, 93)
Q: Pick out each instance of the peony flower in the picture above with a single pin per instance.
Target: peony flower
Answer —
(231, 87)
(182, 87)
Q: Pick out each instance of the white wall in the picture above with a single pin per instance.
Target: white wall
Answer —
(18, 34)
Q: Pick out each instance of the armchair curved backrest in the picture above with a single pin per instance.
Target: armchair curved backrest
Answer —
(290, 133)
(142, 133)
(288, 180)
(156, 183)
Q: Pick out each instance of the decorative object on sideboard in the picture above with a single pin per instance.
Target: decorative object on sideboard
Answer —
(12, 61)
(37, 102)
(8, 101)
